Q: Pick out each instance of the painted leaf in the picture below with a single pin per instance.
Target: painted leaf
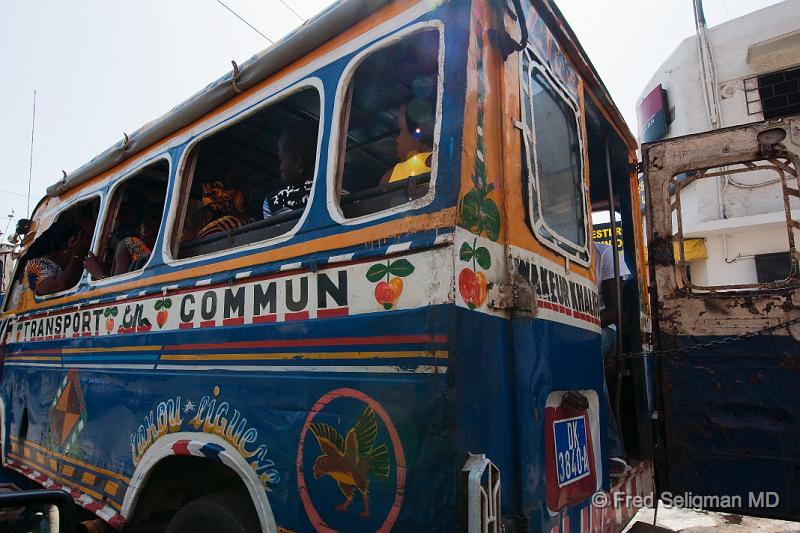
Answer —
(107, 312)
(167, 303)
(114, 311)
(466, 252)
(401, 268)
(376, 272)
(159, 304)
(470, 210)
(491, 219)
(483, 258)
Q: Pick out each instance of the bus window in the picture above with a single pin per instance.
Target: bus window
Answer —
(131, 223)
(554, 162)
(389, 150)
(54, 261)
(250, 181)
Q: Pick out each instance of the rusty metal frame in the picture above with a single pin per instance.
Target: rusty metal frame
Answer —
(678, 312)
(782, 166)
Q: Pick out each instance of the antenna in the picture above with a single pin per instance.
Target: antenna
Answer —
(30, 167)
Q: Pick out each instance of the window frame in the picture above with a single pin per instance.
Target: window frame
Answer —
(107, 206)
(341, 122)
(681, 265)
(535, 217)
(180, 188)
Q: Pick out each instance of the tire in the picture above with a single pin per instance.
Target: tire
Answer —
(222, 512)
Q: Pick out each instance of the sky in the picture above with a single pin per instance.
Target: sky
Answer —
(101, 68)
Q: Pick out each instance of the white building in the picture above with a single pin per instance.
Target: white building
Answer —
(750, 72)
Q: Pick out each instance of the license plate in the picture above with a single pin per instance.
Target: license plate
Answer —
(572, 455)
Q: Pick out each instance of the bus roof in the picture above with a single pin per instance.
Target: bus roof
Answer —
(332, 21)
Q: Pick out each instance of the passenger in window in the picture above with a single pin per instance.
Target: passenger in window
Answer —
(55, 259)
(414, 142)
(297, 151)
(222, 208)
(132, 251)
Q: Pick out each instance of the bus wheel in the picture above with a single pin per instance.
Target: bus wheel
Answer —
(222, 512)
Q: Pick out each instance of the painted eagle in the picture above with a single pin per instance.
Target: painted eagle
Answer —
(352, 459)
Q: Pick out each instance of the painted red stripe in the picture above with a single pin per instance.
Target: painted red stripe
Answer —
(116, 521)
(74, 335)
(54, 350)
(236, 321)
(181, 447)
(143, 329)
(86, 334)
(339, 311)
(93, 506)
(262, 319)
(186, 325)
(208, 323)
(300, 315)
(339, 341)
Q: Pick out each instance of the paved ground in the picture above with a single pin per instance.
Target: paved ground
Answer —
(687, 521)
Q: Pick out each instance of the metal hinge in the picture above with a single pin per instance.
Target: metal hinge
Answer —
(637, 167)
(511, 297)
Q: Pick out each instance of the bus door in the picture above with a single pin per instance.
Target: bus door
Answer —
(726, 298)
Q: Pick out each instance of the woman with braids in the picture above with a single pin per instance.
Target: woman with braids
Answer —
(55, 259)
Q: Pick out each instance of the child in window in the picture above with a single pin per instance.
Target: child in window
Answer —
(414, 142)
(297, 151)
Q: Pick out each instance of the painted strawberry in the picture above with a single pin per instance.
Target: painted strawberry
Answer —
(161, 306)
(472, 284)
(388, 290)
(110, 313)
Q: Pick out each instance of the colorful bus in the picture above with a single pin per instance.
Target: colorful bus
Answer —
(312, 332)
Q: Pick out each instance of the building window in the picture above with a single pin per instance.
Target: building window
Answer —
(390, 116)
(250, 181)
(554, 162)
(776, 94)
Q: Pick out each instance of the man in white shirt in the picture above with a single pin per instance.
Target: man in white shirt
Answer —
(607, 291)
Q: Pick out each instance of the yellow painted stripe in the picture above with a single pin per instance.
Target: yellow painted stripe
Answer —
(68, 470)
(295, 355)
(77, 462)
(114, 349)
(88, 478)
(70, 482)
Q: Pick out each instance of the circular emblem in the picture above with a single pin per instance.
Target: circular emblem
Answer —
(351, 470)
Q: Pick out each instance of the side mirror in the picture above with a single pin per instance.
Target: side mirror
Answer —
(37, 510)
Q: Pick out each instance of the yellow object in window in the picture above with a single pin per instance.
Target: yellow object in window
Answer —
(693, 249)
(413, 166)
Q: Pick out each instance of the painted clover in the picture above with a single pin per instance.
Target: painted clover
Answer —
(472, 284)
(161, 306)
(110, 313)
(388, 291)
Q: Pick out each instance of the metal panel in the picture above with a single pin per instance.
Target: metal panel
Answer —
(730, 419)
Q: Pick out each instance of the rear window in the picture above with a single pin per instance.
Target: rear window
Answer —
(553, 160)
(390, 118)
